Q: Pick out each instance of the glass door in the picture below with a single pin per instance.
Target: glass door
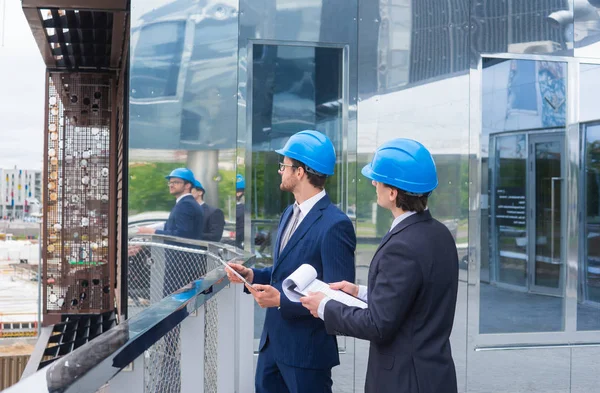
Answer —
(546, 175)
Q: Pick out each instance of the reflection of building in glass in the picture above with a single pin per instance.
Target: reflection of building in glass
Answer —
(430, 40)
(20, 192)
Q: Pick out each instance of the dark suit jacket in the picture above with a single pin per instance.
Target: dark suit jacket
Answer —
(325, 239)
(214, 222)
(186, 220)
(239, 225)
(413, 281)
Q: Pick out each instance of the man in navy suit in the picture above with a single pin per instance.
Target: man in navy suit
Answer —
(214, 219)
(413, 281)
(296, 353)
(186, 220)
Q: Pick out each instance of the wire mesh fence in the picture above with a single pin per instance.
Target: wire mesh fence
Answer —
(157, 270)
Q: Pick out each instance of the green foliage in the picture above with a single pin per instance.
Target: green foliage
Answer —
(148, 189)
(226, 188)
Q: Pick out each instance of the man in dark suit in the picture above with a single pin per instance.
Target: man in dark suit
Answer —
(186, 220)
(413, 282)
(296, 353)
(214, 219)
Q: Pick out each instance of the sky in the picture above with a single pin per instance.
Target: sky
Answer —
(22, 89)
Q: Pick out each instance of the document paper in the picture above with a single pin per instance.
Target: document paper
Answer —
(304, 280)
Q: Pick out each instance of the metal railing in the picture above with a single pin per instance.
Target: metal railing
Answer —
(170, 279)
(158, 267)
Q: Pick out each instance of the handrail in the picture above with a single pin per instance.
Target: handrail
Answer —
(92, 365)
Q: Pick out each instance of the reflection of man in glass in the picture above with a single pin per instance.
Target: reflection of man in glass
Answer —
(187, 221)
(214, 219)
(186, 218)
(240, 187)
(296, 353)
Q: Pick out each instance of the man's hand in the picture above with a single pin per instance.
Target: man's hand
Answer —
(245, 272)
(146, 230)
(133, 250)
(345, 286)
(312, 301)
(266, 295)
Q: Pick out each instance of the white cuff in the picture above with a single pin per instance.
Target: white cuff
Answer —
(321, 309)
(362, 293)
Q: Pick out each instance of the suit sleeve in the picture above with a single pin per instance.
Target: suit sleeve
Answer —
(337, 254)
(261, 276)
(215, 224)
(184, 222)
(397, 282)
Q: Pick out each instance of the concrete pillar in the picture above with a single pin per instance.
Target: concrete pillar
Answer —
(205, 165)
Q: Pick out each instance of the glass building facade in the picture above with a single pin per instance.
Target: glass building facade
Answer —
(503, 93)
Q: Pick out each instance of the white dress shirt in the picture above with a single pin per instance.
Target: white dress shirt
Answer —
(308, 204)
(181, 197)
(362, 289)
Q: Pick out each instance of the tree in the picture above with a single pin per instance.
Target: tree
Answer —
(148, 189)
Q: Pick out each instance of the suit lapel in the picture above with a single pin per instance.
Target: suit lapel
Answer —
(314, 214)
(424, 216)
(284, 220)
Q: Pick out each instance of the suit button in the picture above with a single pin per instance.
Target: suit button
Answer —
(274, 282)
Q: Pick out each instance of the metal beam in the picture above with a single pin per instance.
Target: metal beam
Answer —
(38, 351)
(100, 5)
(35, 24)
(61, 39)
(118, 35)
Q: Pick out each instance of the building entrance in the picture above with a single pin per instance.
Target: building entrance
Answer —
(527, 175)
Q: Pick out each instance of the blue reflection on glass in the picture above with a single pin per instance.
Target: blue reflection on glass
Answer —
(155, 71)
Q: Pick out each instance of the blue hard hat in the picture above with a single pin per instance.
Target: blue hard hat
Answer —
(182, 173)
(313, 149)
(198, 185)
(404, 164)
(240, 182)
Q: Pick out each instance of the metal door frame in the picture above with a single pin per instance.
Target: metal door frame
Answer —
(532, 211)
(570, 337)
(494, 252)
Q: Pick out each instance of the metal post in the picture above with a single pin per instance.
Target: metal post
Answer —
(39, 278)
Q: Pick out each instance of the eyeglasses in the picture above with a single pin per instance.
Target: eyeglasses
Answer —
(174, 182)
(282, 166)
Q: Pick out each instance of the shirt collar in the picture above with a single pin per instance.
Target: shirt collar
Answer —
(308, 204)
(181, 197)
(400, 218)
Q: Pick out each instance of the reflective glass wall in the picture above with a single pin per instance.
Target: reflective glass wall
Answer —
(182, 105)
(501, 92)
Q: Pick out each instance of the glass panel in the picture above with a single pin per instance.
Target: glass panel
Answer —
(583, 27)
(155, 71)
(509, 209)
(182, 111)
(522, 291)
(547, 272)
(523, 95)
(294, 88)
(531, 27)
(588, 315)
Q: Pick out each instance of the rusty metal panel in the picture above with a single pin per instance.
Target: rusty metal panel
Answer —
(11, 369)
(79, 217)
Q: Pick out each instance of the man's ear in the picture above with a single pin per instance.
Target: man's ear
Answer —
(393, 194)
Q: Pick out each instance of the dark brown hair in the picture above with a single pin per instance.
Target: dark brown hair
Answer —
(410, 203)
(315, 180)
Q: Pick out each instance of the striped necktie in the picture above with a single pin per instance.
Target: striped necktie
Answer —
(289, 230)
